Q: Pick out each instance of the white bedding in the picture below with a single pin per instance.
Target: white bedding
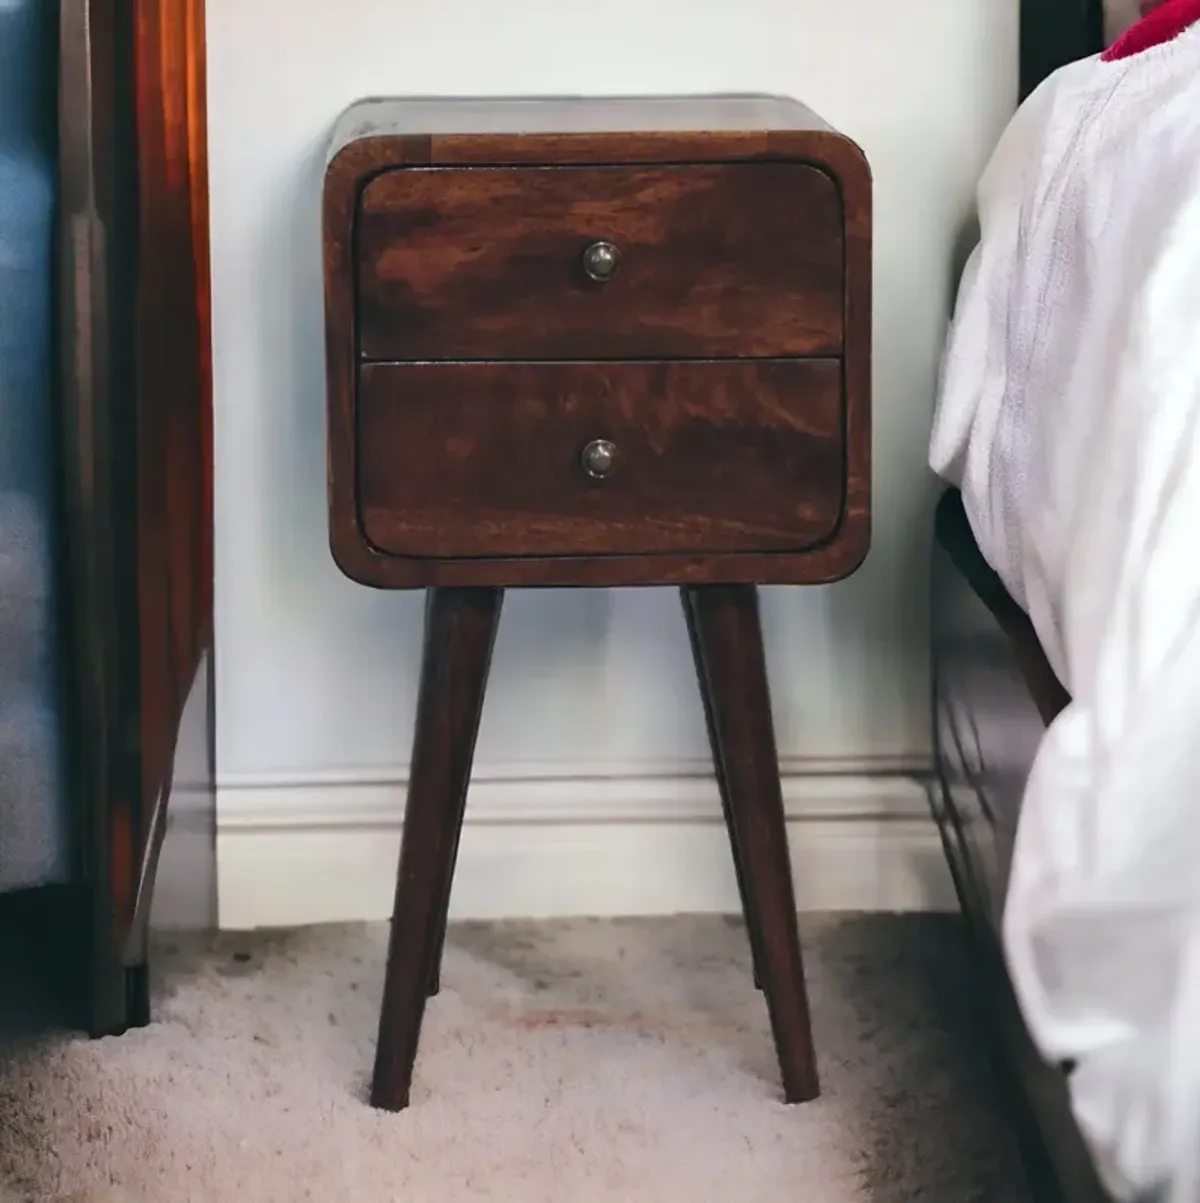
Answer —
(1069, 415)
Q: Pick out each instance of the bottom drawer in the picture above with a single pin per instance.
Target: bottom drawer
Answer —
(462, 460)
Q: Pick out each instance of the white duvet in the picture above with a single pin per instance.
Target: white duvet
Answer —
(1069, 415)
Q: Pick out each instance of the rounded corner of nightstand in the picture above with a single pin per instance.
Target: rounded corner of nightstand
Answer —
(355, 558)
(839, 556)
(336, 155)
(847, 163)
(341, 178)
(855, 151)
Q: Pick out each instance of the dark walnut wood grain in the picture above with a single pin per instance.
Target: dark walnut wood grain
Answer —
(740, 867)
(724, 366)
(728, 637)
(461, 460)
(135, 423)
(175, 457)
(729, 259)
(376, 139)
(460, 630)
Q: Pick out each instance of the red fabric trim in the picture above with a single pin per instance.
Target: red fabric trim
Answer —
(1160, 25)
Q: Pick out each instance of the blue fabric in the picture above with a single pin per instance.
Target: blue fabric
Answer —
(32, 809)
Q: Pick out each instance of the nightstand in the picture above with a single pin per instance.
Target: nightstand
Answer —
(596, 343)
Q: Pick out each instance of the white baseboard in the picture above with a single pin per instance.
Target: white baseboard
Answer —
(541, 843)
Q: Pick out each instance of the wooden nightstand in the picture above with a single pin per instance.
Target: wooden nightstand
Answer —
(596, 343)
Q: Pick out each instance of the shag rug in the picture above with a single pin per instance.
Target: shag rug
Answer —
(563, 1062)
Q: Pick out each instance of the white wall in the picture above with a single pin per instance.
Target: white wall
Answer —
(316, 676)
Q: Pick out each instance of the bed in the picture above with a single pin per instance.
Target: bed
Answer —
(995, 696)
(994, 693)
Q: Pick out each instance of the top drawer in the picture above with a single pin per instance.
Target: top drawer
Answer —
(700, 261)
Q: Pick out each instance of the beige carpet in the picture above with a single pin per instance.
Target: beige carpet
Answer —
(563, 1063)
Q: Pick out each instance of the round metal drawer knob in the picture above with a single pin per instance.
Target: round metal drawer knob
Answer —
(601, 261)
(599, 458)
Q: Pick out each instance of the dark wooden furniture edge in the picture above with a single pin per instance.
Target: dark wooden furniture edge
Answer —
(953, 531)
(1054, 32)
(174, 396)
(96, 157)
(356, 161)
(464, 595)
(1059, 1163)
(135, 475)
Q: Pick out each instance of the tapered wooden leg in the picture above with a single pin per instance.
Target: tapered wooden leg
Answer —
(460, 629)
(726, 619)
(439, 945)
(719, 767)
